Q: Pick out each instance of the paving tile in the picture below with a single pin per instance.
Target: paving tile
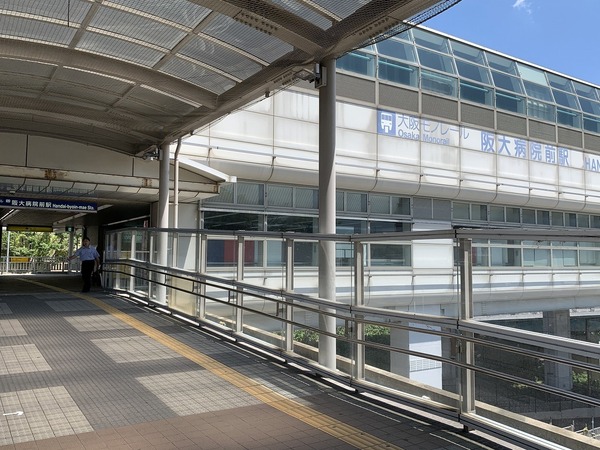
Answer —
(86, 379)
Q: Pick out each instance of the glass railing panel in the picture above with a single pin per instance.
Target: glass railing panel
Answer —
(261, 320)
(182, 297)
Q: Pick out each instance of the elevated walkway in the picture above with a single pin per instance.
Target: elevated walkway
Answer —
(95, 371)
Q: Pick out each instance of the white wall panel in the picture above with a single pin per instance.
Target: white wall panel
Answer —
(543, 173)
(401, 151)
(14, 149)
(477, 162)
(515, 168)
(296, 105)
(569, 177)
(357, 144)
(354, 117)
(69, 155)
(245, 126)
(439, 157)
(296, 134)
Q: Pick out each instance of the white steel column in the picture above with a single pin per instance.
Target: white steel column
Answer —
(327, 212)
(163, 221)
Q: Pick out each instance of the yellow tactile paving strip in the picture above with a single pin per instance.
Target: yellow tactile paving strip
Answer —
(320, 421)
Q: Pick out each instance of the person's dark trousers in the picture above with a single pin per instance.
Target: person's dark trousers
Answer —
(87, 267)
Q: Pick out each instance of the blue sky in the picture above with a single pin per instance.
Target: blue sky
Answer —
(561, 35)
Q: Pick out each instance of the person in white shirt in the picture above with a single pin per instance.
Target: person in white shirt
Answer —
(90, 260)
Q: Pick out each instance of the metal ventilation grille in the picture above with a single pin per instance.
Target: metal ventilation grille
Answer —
(419, 17)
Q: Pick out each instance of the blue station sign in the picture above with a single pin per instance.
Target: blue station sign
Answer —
(55, 205)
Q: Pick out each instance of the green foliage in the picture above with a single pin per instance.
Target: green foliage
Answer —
(37, 245)
(373, 333)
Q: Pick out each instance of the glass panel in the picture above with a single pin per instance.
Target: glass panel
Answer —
(541, 110)
(430, 40)
(475, 93)
(351, 226)
(388, 227)
(435, 82)
(589, 258)
(513, 215)
(397, 49)
(497, 213)
(356, 202)
(307, 198)
(564, 99)
(564, 258)
(560, 82)
(568, 117)
(299, 224)
(473, 72)
(344, 254)
(510, 102)
(543, 217)
(358, 62)
(280, 196)
(529, 216)
(390, 255)
(398, 72)
(480, 256)
(558, 219)
(435, 61)
(507, 82)
(339, 201)
(589, 107)
(536, 257)
(583, 220)
(538, 91)
(505, 256)
(216, 220)
(583, 90)
(460, 211)
(401, 206)
(595, 221)
(250, 194)
(529, 73)
(502, 64)
(591, 124)
(479, 212)
(225, 196)
(571, 219)
(380, 204)
(467, 52)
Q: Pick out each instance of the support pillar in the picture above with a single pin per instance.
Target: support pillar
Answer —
(557, 323)
(163, 222)
(327, 211)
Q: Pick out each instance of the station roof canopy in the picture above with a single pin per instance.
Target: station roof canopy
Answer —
(129, 74)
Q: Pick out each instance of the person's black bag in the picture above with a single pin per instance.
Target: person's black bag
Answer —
(97, 278)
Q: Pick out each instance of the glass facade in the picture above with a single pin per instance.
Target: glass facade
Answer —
(422, 59)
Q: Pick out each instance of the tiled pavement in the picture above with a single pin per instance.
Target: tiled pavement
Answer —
(94, 371)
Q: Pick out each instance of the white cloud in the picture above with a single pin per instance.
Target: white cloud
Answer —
(523, 5)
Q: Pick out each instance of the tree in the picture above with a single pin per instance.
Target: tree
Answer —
(37, 244)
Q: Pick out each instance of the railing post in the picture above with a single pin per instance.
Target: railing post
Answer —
(358, 370)
(239, 298)
(466, 350)
(202, 264)
(289, 287)
(131, 257)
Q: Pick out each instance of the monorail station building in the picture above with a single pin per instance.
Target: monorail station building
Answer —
(432, 134)
(417, 220)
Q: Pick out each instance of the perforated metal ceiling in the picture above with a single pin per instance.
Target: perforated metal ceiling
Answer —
(126, 74)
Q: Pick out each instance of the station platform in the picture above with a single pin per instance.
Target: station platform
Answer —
(94, 371)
